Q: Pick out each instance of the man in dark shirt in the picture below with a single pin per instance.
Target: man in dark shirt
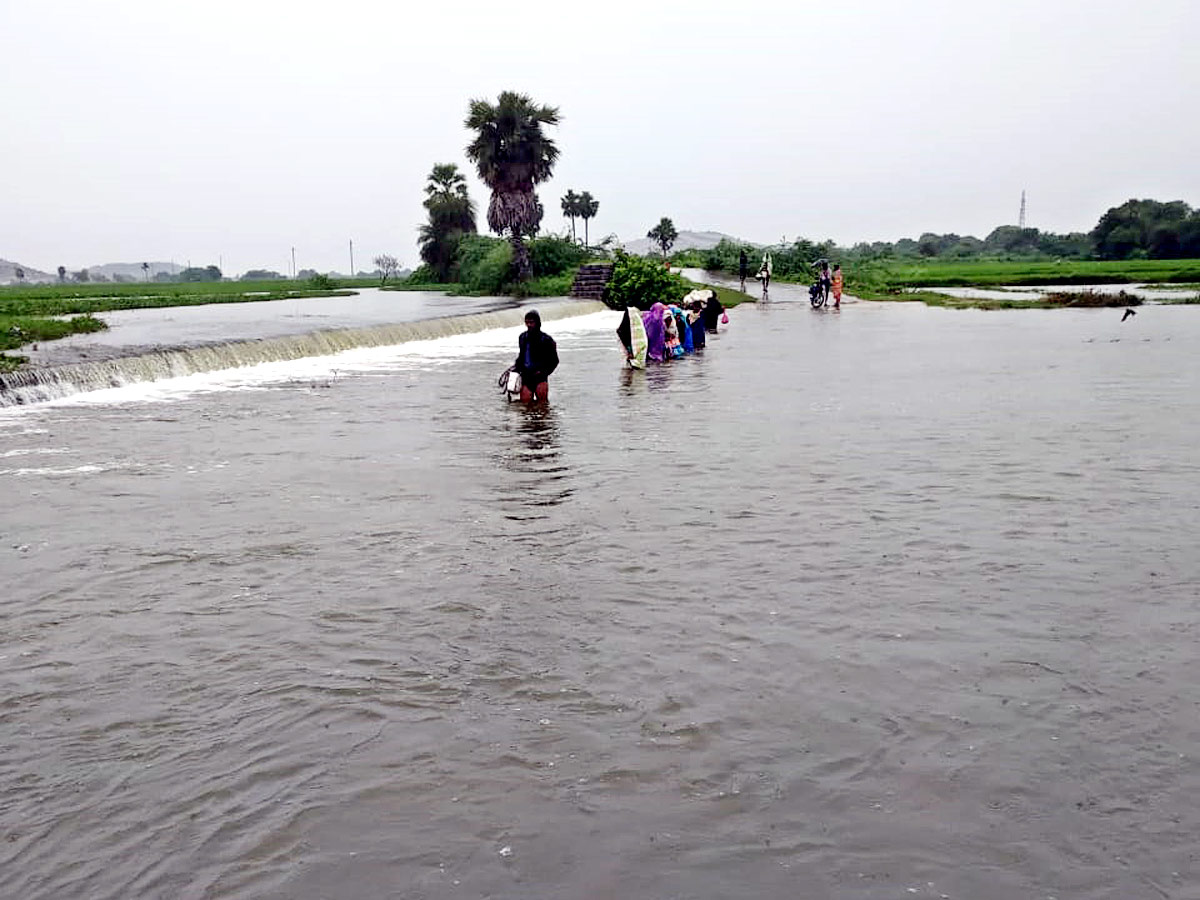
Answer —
(537, 357)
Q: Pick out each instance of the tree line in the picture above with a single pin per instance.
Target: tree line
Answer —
(1137, 229)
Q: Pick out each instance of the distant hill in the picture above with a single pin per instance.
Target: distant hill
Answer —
(133, 270)
(105, 272)
(687, 240)
(8, 274)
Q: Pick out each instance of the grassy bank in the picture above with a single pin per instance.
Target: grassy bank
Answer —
(729, 297)
(1056, 300)
(546, 286)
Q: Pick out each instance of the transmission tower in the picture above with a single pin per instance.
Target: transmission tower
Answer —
(1021, 220)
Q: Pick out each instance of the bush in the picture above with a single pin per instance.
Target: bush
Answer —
(489, 272)
(322, 282)
(422, 274)
(641, 282)
(554, 255)
(547, 286)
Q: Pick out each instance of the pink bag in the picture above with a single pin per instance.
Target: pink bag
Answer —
(724, 318)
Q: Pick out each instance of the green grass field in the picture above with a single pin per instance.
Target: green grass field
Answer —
(898, 274)
(68, 299)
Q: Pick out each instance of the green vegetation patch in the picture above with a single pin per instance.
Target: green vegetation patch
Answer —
(483, 266)
(1057, 300)
(15, 331)
(998, 273)
(548, 285)
(729, 297)
(640, 282)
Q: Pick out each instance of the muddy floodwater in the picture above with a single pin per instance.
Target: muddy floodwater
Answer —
(892, 602)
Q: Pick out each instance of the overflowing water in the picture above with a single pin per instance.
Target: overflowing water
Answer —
(39, 383)
(892, 602)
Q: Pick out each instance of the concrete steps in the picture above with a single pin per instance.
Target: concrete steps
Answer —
(591, 280)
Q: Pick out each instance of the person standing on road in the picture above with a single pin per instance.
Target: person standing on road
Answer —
(537, 358)
(826, 279)
(764, 273)
(837, 286)
(743, 267)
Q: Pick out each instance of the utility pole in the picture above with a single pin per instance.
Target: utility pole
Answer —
(351, 257)
(1021, 220)
(293, 262)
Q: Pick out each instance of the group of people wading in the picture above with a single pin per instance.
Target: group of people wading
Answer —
(669, 331)
(660, 334)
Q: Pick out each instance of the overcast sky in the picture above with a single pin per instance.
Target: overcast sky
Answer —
(233, 131)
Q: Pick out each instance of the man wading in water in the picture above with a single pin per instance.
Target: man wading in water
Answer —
(537, 357)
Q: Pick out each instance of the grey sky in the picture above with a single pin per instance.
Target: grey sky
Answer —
(143, 130)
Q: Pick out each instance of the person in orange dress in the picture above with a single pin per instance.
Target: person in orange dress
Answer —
(837, 286)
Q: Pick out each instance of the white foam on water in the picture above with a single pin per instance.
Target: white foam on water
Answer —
(26, 451)
(418, 354)
(72, 470)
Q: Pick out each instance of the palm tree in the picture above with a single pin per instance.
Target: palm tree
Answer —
(570, 208)
(588, 207)
(62, 273)
(663, 234)
(146, 270)
(446, 183)
(513, 155)
(451, 215)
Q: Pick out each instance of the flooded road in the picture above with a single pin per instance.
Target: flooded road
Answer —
(891, 602)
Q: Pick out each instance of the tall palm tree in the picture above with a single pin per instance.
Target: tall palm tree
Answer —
(446, 183)
(513, 155)
(451, 215)
(570, 208)
(588, 207)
